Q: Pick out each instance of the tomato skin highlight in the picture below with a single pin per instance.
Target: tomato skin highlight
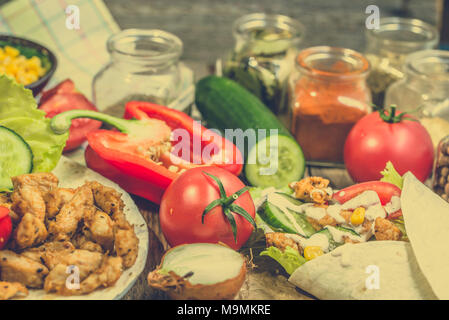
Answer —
(384, 190)
(372, 142)
(5, 226)
(186, 198)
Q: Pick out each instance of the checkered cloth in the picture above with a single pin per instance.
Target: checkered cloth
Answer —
(81, 53)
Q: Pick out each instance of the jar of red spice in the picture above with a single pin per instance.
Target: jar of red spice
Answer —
(328, 95)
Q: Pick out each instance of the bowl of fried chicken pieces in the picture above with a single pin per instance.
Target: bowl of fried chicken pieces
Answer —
(66, 242)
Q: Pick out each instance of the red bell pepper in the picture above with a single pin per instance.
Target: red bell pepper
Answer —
(120, 155)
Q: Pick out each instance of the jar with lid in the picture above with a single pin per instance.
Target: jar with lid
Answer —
(328, 95)
(263, 56)
(144, 66)
(387, 47)
(424, 91)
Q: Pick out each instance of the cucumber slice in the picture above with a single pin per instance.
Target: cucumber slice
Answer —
(332, 243)
(278, 221)
(16, 157)
(290, 198)
(278, 168)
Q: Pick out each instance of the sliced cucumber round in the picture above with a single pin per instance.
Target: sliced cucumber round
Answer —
(275, 162)
(16, 157)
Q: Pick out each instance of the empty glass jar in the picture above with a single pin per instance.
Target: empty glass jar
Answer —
(424, 90)
(144, 66)
(388, 46)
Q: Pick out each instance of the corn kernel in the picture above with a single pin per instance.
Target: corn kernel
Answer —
(311, 252)
(358, 216)
(12, 52)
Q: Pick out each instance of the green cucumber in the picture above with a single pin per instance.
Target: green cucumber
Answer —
(278, 221)
(290, 198)
(332, 243)
(225, 104)
(16, 157)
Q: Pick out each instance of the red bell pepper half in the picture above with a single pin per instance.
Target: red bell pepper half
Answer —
(151, 147)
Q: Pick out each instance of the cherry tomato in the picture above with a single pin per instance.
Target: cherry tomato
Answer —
(62, 98)
(381, 137)
(5, 226)
(185, 200)
(384, 190)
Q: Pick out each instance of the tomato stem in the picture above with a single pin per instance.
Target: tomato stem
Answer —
(228, 206)
(390, 116)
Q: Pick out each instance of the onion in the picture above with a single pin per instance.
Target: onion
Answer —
(200, 271)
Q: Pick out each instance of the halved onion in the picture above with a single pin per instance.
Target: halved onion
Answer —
(200, 271)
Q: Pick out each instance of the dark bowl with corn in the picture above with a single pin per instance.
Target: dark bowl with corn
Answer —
(28, 62)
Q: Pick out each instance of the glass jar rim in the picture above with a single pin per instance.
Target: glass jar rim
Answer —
(351, 57)
(414, 60)
(156, 45)
(429, 33)
(245, 23)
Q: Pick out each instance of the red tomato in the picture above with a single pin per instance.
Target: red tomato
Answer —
(384, 190)
(62, 98)
(373, 142)
(5, 226)
(186, 198)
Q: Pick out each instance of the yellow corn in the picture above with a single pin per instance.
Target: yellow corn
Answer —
(358, 216)
(311, 252)
(25, 71)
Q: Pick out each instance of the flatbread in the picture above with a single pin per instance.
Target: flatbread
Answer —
(426, 218)
(349, 272)
(71, 175)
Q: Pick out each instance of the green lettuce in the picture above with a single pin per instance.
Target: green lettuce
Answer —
(18, 112)
(391, 175)
(290, 259)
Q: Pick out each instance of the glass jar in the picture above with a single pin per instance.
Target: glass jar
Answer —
(329, 95)
(387, 47)
(144, 66)
(424, 91)
(263, 56)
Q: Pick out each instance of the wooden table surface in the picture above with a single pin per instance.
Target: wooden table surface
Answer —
(205, 28)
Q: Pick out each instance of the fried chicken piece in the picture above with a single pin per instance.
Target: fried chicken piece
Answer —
(281, 241)
(29, 232)
(80, 263)
(312, 189)
(106, 198)
(81, 241)
(126, 245)
(86, 261)
(49, 249)
(106, 276)
(66, 223)
(17, 268)
(385, 230)
(56, 281)
(10, 290)
(56, 199)
(101, 229)
(327, 220)
(29, 193)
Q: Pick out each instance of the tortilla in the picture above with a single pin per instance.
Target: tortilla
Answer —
(71, 175)
(426, 218)
(349, 272)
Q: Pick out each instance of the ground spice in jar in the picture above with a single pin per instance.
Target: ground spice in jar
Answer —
(330, 96)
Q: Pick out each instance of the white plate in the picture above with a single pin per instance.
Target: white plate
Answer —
(71, 175)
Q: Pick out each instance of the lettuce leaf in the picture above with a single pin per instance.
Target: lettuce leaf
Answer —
(391, 175)
(18, 112)
(290, 259)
